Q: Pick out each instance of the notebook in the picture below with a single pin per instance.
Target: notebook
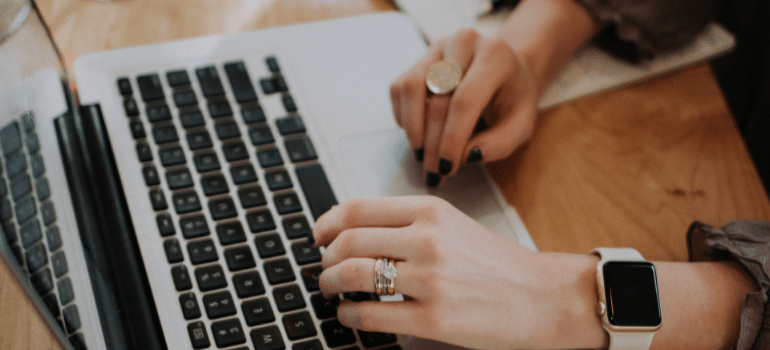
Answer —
(168, 205)
(591, 71)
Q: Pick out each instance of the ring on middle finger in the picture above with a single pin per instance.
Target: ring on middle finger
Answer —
(443, 77)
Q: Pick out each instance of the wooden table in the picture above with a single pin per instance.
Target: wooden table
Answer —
(632, 167)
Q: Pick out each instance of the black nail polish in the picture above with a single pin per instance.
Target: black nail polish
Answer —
(432, 179)
(475, 156)
(444, 166)
(419, 154)
(310, 238)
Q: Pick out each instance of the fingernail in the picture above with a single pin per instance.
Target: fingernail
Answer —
(475, 156)
(419, 154)
(311, 238)
(444, 166)
(433, 179)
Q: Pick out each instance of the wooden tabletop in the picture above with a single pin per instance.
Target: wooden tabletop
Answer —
(632, 167)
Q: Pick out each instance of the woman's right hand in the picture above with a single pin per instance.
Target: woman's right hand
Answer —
(496, 84)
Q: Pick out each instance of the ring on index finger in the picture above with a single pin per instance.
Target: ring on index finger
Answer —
(443, 77)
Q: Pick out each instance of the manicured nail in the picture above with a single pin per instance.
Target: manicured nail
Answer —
(475, 156)
(433, 179)
(419, 154)
(444, 166)
(310, 238)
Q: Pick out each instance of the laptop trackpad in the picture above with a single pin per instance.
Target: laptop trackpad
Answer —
(382, 164)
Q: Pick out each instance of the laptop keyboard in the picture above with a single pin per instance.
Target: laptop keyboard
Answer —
(230, 188)
(28, 216)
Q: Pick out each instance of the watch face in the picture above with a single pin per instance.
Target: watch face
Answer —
(631, 290)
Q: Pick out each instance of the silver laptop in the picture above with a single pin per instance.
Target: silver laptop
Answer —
(187, 175)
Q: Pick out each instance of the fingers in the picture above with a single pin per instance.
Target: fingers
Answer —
(370, 242)
(357, 275)
(399, 317)
(437, 108)
(499, 142)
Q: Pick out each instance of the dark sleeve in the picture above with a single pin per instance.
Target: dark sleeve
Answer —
(639, 29)
(747, 243)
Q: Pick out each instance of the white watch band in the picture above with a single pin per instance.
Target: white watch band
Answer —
(624, 340)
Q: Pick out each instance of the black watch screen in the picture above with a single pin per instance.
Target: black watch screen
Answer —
(631, 290)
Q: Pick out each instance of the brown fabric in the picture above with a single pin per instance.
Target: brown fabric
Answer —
(649, 27)
(748, 243)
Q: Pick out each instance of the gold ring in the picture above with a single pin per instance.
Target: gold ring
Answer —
(378, 276)
(443, 77)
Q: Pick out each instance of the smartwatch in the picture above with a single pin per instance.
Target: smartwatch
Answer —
(629, 302)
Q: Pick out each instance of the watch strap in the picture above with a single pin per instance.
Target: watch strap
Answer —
(617, 254)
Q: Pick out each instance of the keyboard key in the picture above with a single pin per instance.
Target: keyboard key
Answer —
(336, 334)
(279, 271)
(287, 203)
(230, 233)
(194, 226)
(173, 251)
(59, 264)
(185, 98)
(78, 341)
(239, 258)
(210, 278)
(53, 237)
(151, 177)
(33, 144)
(206, 162)
(300, 150)
(268, 86)
(165, 225)
(373, 339)
(186, 202)
(177, 78)
(290, 125)
(36, 257)
(15, 163)
(6, 209)
(25, 209)
(181, 278)
(253, 115)
(172, 156)
(192, 119)
(52, 303)
(252, 197)
(235, 151)
(10, 232)
(202, 252)
(228, 332)
(199, 140)
(71, 318)
(260, 221)
(165, 134)
(219, 305)
(299, 325)
(222, 208)
(198, 335)
(227, 130)
(10, 138)
(30, 233)
(269, 157)
(214, 185)
(242, 174)
(267, 338)
(278, 180)
(66, 293)
(150, 87)
(296, 227)
(261, 136)
(20, 185)
(48, 213)
(269, 246)
(178, 179)
(240, 82)
(324, 308)
(144, 152)
(280, 84)
(158, 113)
(288, 103)
(220, 109)
(272, 64)
(305, 254)
(210, 81)
(248, 284)
(42, 281)
(313, 344)
(318, 192)
(257, 311)
(129, 105)
(124, 86)
(190, 308)
(158, 200)
(137, 130)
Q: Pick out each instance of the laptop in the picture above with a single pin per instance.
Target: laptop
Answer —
(168, 205)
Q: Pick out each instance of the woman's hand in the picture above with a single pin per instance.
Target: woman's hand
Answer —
(462, 283)
(496, 83)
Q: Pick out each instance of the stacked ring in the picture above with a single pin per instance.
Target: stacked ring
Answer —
(378, 276)
(384, 276)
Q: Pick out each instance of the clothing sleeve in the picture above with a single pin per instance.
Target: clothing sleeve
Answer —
(639, 29)
(747, 243)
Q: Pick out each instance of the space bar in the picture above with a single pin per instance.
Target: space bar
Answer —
(317, 189)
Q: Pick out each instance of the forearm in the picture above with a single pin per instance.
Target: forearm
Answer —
(547, 33)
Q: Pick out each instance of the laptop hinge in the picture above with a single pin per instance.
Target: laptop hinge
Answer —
(127, 310)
